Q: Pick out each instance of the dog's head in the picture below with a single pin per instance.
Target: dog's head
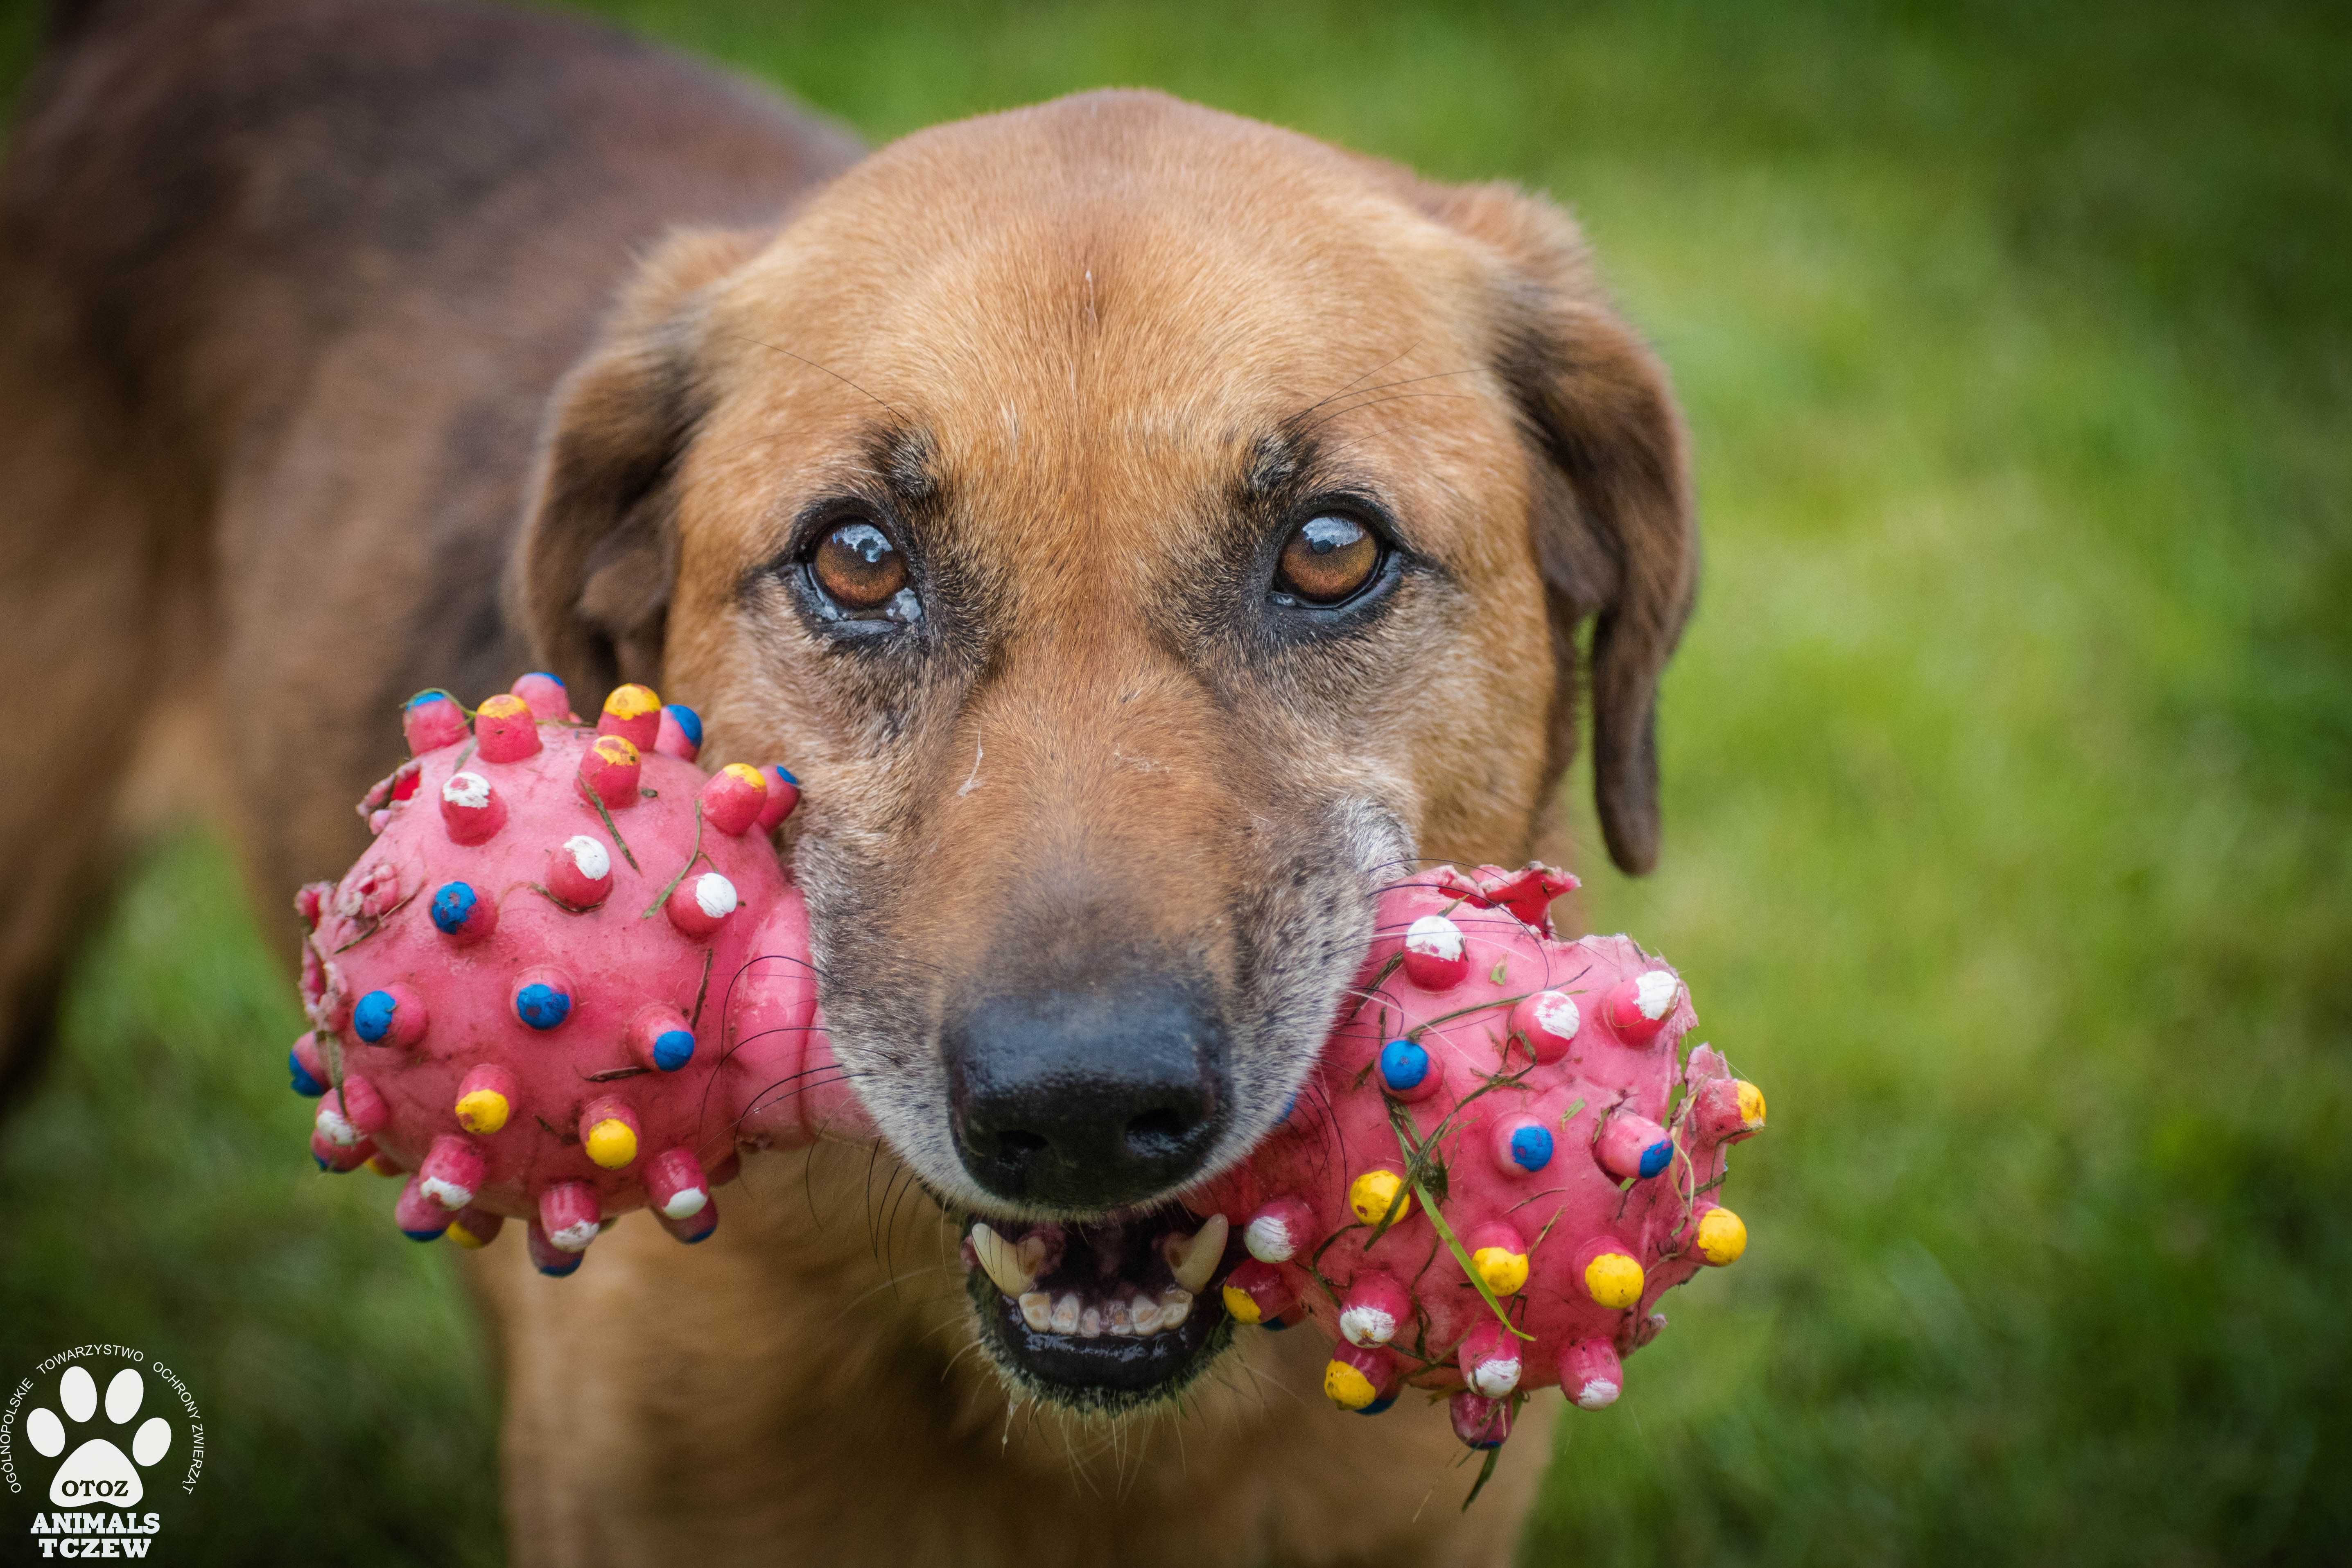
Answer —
(1145, 532)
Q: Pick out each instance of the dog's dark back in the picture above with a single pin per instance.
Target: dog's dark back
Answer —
(285, 286)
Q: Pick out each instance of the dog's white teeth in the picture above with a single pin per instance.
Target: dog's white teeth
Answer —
(1144, 1313)
(1065, 1319)
(999, 1261)
(1194, 1257)
(1036, 1310)
(1032, 1254)
(1090, 1323)
(1175, 1306)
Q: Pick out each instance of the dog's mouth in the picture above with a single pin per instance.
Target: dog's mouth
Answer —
(1105, 1315)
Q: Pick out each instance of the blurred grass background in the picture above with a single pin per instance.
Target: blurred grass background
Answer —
(2008, 778)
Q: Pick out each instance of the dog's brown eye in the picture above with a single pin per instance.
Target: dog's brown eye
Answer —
(1326, 559)
(858, 567)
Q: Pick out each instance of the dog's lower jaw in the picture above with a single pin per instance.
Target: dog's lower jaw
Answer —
(1103, 1401)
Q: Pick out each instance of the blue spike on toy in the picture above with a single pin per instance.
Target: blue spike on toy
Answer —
(371, 1015)
(541, 1005)
(689, 720)
(306, 1085)
(1402, 1066)
(673, 1048)
(1531, 1147)
(453, 906)
(1655, 1157)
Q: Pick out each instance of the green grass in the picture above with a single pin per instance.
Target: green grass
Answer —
(2009, 777)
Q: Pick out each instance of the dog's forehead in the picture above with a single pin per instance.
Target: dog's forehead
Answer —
(1121, 290)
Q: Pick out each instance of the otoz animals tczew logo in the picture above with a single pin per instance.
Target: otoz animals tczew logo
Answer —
(104, 1468)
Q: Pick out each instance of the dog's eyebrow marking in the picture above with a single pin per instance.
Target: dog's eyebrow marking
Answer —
(906, 459)
(1276, 462)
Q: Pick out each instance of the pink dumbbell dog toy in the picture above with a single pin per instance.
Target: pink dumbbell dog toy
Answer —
(568, 978)
(1499, 1166)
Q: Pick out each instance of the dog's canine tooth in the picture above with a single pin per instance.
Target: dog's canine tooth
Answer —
(1194, 1257)
(1065, 1319)
(1031, 1250)
(999, 1261)
(1036, 1310)
(1175, 1306)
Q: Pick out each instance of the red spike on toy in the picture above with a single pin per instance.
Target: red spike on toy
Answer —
(543, 997)
(471, 808)
(675, 1185)
(634, 713)
(609, 771)
(352, 1112)
(734, 798)
(506, 730)
(1489, 1358)
(580, 871)
(488, 1098)
(472, 1229)
(1637, 1005)
(1278, 1231)
(1546, 1021)
(1608, 1274)
(463, 912)
(452, 1171)
(1633, 1148)
(431, 721)
(680, 735)
(1479, 1422)
(608, 1131)
(570, 1215)
(419, 1216)
(1373, 1308)
(696, 1226)
(1729, 1110)
(1256, 1292)
(1362, 1379)
(308, 1066)
(546, 1257)
(391, 1016)
(1590, 1374)
(339, 1158)
(783, 794)
(700, 903)
(547, 697)
(1498, 1256)
(1434, 957)
(660, 1038)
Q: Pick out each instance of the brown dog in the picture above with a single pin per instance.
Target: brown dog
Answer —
(1144, 531)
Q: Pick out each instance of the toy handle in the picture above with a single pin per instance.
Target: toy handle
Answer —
(781, 1078)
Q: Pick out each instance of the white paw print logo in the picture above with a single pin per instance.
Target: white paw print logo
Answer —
(98, 1471)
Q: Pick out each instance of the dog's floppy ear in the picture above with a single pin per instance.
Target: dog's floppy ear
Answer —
(1616, 535)
(591, 577)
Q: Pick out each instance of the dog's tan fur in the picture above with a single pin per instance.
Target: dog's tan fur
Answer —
(276, 452)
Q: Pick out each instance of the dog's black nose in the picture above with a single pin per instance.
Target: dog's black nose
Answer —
(1086, 1099)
